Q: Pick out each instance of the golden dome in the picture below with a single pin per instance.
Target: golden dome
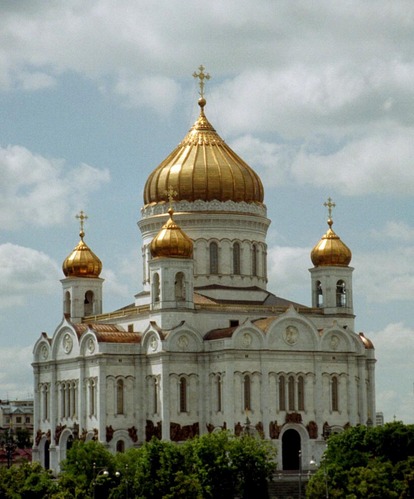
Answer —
(366, 341)
(203, 167)
(171, 241)
(331, 251)
(82, 262)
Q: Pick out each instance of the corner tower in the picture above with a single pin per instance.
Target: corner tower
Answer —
(82, 286)
(219, 205)
(332, 275)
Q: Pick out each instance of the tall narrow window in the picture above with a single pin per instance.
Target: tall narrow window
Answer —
(155, 396)
(67, 303)
(213, 258)
(247, 393)
(319, 294)
(120, 397)
(291, 393)
(179, 287)
(254, 259)
(183, 395)
(156, 287)
(219, 394)
(236, 258)
(334, 389)
(88, 303)
(301, 394)
(282, 393)
(340, 294)
(92, 397)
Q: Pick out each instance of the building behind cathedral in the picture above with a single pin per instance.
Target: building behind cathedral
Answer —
(204, 345)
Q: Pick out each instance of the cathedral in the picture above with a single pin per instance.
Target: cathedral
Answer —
(204, 345)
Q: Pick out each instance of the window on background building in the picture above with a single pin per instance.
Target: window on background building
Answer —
(18, 419)
(27, 420)
(291, 393)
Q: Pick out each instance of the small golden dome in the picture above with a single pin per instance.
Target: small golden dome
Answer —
(203, 167)
(171, 241)
(366, 341)
(331, 251)
(82, 262)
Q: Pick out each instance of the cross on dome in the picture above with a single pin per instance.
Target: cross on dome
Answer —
(81, 217)
(329, 204)
(171, 193)
(201, 76)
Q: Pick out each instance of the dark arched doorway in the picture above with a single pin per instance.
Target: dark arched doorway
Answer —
(290, 450)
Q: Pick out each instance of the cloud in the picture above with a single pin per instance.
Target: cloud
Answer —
(43, 192)
(16, 375)
(394, 345)
(395, 231)
(23, 272)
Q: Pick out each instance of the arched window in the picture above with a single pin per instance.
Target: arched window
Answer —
(120, 446)
(291, 393)
(247, 393)
(156, 287)
(92, 398)
(120, 397)
(179, 287)
(319, 294)
(236, 258)
(334, 390)
(88, 303)
(213, 258)
(255, 254)
(183, 395)
(219, 393)
(301, 394)
(282, 393)
(340, 294)
(67, 304)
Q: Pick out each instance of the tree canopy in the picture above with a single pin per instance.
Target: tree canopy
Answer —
(368, 463)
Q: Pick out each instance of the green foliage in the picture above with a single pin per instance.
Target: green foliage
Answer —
(28, 481)
(367, 463)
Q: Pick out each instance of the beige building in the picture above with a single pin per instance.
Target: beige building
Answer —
(205, 345)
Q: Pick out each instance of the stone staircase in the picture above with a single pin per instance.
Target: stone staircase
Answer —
(285, 485)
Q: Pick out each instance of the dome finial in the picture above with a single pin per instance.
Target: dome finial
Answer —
(201, 76)
(329, 204)
(82, 217)
(170, 193)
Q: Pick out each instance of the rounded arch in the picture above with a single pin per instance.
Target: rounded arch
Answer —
(292, 330)
(65, 443)
(65, 341)
(294, 438)
(336, 339)
(44, 452)
(248, 336)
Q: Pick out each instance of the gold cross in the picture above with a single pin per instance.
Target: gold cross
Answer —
(170, 195)
(329, 204)
(82, 217)
(201, 76)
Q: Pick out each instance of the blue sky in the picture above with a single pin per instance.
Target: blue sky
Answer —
(317, 97)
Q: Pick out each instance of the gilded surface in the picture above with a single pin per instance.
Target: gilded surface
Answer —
(82, 262)
(171, 241)
(331, 251)
(204, 167)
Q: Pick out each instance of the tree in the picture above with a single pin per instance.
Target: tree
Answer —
(366, 462)
(27, 481)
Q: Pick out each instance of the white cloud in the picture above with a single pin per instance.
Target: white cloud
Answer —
(16, 375)
(395, 231)
(39, 191)
(24, 271)
(385, 276)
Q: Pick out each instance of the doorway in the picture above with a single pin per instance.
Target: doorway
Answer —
(290, 450)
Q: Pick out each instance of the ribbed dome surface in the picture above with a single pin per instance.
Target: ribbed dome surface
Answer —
(331, 251)
(203, 167)
(82, 262)
(171, 241)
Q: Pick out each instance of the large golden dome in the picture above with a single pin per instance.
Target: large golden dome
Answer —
(331, 251)
(171, 241)
(203, 167)
(82, 262)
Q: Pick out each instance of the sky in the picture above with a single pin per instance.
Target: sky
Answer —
(318, 97)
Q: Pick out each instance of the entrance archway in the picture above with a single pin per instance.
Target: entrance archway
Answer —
(291, 445)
